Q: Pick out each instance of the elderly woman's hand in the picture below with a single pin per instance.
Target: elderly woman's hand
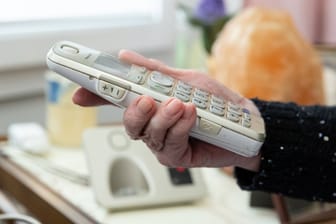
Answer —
(165, 128)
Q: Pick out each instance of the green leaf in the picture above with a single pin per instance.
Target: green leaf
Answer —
(210, 32)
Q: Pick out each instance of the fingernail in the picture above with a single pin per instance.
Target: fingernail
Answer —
(173, 107)
(144, 105)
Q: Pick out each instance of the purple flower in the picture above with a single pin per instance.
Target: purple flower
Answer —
(208, 11)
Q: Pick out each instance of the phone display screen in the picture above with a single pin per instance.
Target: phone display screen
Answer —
(111, 64)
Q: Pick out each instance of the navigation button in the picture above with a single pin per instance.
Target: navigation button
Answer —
(161, 79)
(158, 87)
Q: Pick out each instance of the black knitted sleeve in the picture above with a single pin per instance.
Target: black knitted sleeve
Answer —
(298, 158)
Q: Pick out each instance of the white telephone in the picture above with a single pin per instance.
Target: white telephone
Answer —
(219, 121)
(125, 174)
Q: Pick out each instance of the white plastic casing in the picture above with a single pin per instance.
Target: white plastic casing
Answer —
(78, 63)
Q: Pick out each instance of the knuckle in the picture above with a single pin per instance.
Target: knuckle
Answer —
(154, 145)
(180, 162)
(133, 126)
(128, 119)
(145, 137)
(133, 135)
(132, 122)
(169, 161)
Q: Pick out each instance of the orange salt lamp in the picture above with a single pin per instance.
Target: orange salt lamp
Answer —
(260, 53)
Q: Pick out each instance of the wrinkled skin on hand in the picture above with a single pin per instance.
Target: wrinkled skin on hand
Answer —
(165, 127)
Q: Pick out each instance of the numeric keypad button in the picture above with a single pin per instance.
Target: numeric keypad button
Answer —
(137, 74)
(183, 87)
(234, 106)
(182, 96)
(247, 116)
(199, 103)
(232, 117)
(201, 94)
(246, 123)
(216, 101)
(234, 111)
(216, 110)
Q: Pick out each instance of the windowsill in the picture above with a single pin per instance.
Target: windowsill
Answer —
(27, 44)
(31, 49)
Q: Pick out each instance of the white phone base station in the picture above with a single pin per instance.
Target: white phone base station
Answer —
(125, 174)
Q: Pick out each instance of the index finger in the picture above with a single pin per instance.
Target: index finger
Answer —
(132, 57)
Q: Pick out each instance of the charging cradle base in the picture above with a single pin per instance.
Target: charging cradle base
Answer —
(125, 174)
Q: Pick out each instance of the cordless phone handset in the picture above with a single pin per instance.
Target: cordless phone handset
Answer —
(219, 121)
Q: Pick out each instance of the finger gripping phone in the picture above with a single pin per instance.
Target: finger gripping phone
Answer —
(219, 121)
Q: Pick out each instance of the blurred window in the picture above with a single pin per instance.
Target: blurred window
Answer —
(29, 28)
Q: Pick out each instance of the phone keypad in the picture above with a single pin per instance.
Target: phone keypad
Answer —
(202, 99)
